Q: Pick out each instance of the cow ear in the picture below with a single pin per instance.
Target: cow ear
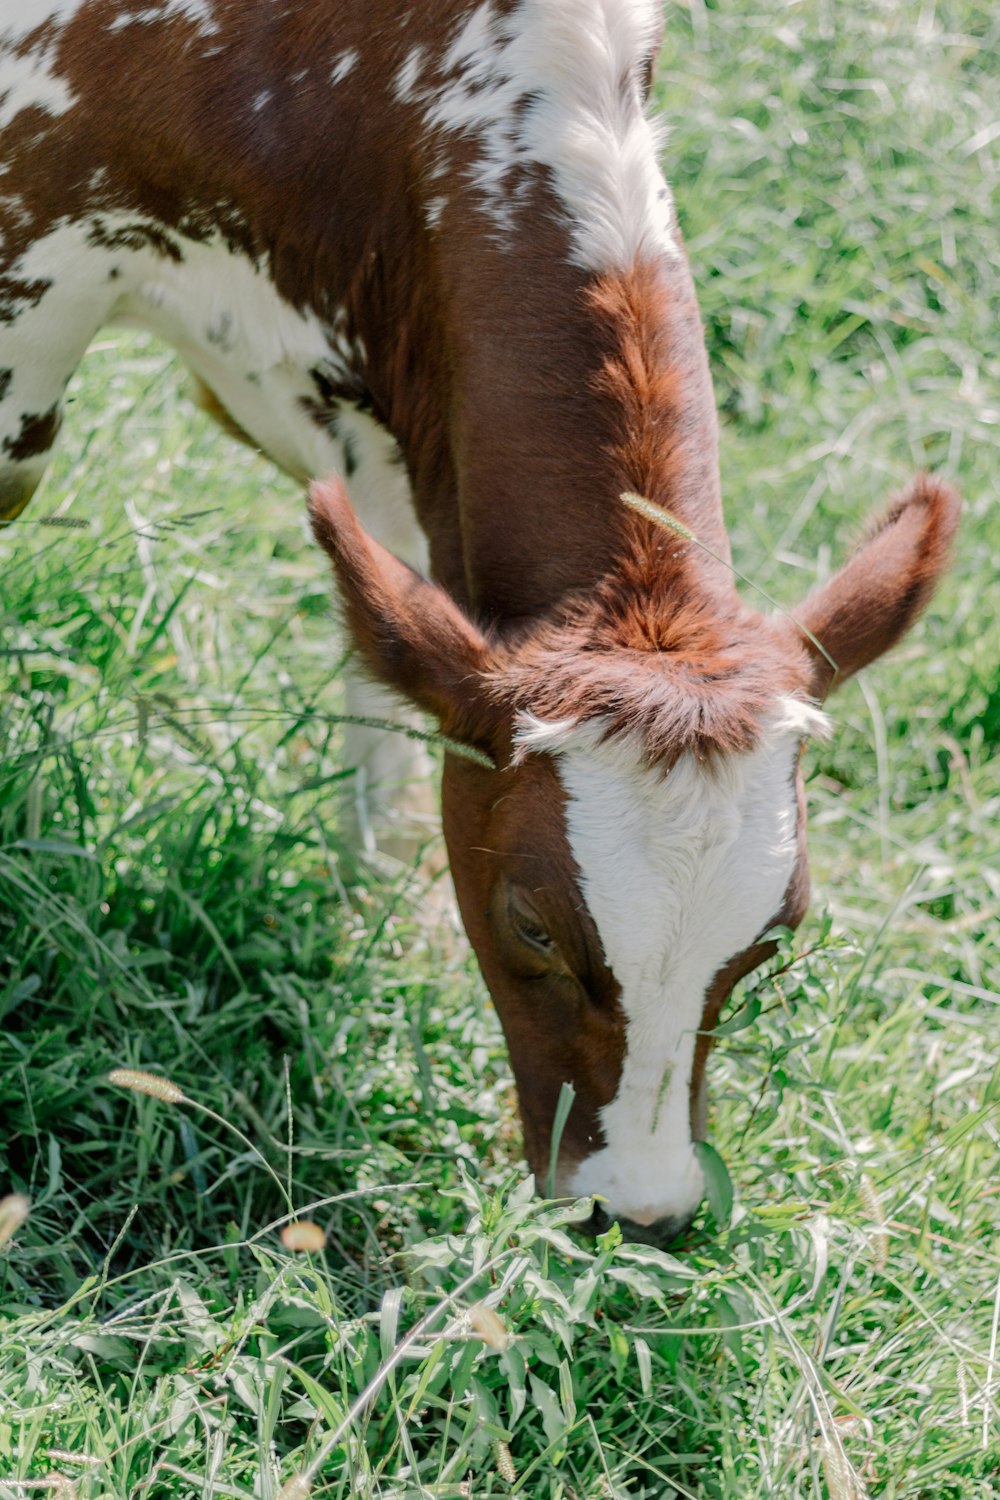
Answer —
(409, 634)
(871, 603)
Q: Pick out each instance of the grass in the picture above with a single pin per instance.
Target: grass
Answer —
(174, 897)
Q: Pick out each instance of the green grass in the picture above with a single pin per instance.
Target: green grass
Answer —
(174, 896)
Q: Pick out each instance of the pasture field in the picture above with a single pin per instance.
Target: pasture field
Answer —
(174, 896)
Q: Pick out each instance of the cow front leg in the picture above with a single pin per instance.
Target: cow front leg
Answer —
(393, 808)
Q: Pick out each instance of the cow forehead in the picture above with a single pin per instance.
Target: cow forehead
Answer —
(677, 869)
(678, 865)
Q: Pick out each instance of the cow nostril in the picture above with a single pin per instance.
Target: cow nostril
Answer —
(660, 1234)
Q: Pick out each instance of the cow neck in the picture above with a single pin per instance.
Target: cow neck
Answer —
(558, 390)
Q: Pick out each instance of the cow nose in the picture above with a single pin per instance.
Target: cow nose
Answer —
(661, 1233)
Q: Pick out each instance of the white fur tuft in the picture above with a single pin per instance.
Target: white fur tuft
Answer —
(577, 64)
(534, 735)
(795, 716)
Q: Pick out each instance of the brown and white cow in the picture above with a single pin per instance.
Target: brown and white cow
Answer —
(428, 247)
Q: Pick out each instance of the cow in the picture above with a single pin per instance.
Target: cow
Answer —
(428, 250)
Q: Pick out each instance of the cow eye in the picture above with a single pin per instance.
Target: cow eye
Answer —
(527, 924)
(534, 934)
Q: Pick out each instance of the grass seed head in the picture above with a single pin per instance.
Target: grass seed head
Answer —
(66, 1456)
(505, 1464)
(878, 1239)
(963, 1395)
(841, 1481)
(13, 1212)
(147, 1083)
(657, 514)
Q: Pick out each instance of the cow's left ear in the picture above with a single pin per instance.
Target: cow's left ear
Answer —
(408, 632)
(871, 603)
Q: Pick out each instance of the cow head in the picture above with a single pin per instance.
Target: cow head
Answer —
(643, 827)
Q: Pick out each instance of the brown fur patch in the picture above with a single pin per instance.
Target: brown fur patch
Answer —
(36, 435)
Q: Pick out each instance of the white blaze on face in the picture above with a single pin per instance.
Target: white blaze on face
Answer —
(554, 83)
(680, 873)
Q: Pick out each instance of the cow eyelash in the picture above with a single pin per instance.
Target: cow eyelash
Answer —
(533, 934)
(530, 931)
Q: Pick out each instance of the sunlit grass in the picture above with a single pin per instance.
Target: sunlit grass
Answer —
(175, 899)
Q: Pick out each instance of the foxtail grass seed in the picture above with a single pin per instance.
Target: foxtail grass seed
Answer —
(879, 1239)
(147, 1083)
(963, 1395)
(505, 1464)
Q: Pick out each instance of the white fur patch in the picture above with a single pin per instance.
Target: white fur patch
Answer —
(223, 315)
(680, 873)
(342, 66)
(201, 12)
(44, 343)
(19, 20)
(29, 82)
(146, 17)
(541, 735)
(380, 485)
(407, 75)
(555, 83)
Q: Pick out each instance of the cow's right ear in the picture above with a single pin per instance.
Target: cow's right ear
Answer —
(409, 634)
(871, 603)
